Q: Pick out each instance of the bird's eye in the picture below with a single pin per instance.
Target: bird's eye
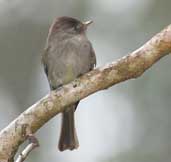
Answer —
(78, 27)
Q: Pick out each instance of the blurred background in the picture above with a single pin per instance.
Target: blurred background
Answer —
(129, 122)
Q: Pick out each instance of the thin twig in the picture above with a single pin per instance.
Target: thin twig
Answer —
(33, 143)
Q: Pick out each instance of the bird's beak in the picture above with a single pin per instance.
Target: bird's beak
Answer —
(87, 23)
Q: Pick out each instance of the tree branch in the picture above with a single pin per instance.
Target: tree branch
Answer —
(128, 67)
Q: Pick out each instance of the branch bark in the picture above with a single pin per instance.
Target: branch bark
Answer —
(128, 67)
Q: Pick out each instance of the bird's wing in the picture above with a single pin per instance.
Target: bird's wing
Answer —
(93, 58)
(44, 59)
(87, 55)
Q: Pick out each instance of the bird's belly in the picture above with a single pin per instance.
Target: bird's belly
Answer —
(65, 70)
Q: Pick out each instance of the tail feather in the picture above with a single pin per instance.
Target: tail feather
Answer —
(68, 137)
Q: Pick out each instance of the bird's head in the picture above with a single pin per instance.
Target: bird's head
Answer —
(68, 25)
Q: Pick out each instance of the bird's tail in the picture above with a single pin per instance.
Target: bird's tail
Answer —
(68, 137)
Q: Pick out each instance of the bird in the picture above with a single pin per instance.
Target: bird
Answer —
(68, 54)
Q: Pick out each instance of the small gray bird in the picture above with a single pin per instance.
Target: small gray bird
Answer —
(68, 55)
